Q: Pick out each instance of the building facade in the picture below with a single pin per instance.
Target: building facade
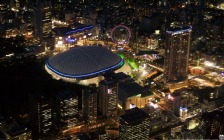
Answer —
(67, 109)
(213, 124)
(173, 103)
(43, 24)
(108, 96)
(89, 104)
(176, 55)
(41, 116)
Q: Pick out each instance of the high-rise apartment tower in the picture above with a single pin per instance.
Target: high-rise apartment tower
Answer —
(177, 55)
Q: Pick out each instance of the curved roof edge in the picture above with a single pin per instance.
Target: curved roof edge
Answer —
(180, 29)
(88, 75)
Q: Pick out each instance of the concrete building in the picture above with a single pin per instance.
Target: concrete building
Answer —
(173, 103)
(134, 125)
(131, 93)
(108, 97)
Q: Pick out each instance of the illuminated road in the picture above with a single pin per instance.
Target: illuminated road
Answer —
(88, 128)
(158, 68)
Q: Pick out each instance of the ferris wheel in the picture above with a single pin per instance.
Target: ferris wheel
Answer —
(121, 34)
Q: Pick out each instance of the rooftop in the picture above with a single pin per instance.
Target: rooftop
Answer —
(84, 62)
(63, 95)
(178, 29)
(132, 89)
(64, 31)
(134, 115)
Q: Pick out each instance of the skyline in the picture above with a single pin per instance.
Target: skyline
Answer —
(122, 69)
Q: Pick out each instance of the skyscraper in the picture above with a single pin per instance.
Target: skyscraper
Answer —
(89, 104)
(176, 56)
(40, 116)
(108, 94)
(213, 124)
(43, 23)
(67, 109)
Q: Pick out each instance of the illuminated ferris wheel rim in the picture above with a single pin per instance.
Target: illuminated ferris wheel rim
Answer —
(128, 31)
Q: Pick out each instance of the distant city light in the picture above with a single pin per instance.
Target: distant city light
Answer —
(157, 32)
(9, 55)
(208, 63)
(170, 97)
(153, 105)
(222, 73)
(81, 29)
(70, 40)
(60, 42)
(132, 106)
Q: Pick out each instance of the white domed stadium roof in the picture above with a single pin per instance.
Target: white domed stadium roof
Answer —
(84, 62)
